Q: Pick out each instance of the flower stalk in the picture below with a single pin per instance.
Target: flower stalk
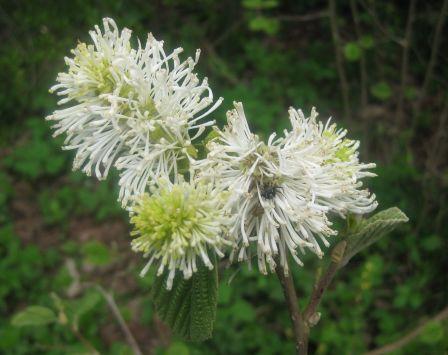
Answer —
(304, 321)
(300, 328)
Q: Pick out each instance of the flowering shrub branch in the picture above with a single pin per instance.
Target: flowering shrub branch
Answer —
(145, 113)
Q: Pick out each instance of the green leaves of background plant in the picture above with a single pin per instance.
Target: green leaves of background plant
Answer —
(370, 230)
(260, 22)
(352, 51)
(381, 90)
(34, 316)
(189, 308)
(264, 24)
(260, 4)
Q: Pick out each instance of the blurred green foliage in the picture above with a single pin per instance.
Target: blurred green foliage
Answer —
(269, 54)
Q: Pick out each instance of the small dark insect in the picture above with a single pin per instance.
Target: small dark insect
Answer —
(268, 192)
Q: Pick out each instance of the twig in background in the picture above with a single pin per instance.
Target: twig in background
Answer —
(219, 66)
(77, 287)
(431, 163)
(378, 24)
(435, 143)
(410, 336)
(72, 326)
(339, 60)
(83, 340)
(225, 34)
(405, 60)
(124, 327)
(363, 74)
(362, 63)
(433, 57)
(303, 18)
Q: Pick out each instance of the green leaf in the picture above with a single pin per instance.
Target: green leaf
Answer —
(189, 308)
(366, 42)
(370, 230)
(381, 90)
(264, 24)
(260, 4)
(89, 301)
(410, 92)
(352, 52)
(243, 311)
(433, 333)
(10, 337)
(177, 348)
(34, 316)
(224, 293)
(96, 253)
(6, 189)
(432, 242)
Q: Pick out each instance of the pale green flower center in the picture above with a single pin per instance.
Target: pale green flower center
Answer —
(102, 81)
(98, 69)
(344, 149)
(173, 220)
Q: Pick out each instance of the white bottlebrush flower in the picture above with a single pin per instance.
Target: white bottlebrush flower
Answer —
(179, 225)
(282, 191)
(95, 75)
(338, 182)
(164, 141)
(137, 109)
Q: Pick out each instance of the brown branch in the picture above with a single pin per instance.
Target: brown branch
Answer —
(301, 329)
(302, 322)
(83, 340)
(410, 336)
(378, 24)
(116, 312)
(303, 18)
(225, 34)
(339, 59)
(324, 281)
(405, 60)
(76, 287)
(220, 66)
(431, 164)
(72, 326)
(434, 52)
(319, 289)
(438, 138)
(362, 63)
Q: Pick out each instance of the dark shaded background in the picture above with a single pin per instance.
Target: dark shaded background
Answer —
(378, 67)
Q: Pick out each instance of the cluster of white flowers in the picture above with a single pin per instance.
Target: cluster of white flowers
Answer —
(282, 192)
(138, 109)
(141, 110)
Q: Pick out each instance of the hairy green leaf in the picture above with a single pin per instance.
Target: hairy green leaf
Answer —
(189, 308)
(34, 316)
(370, 230)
